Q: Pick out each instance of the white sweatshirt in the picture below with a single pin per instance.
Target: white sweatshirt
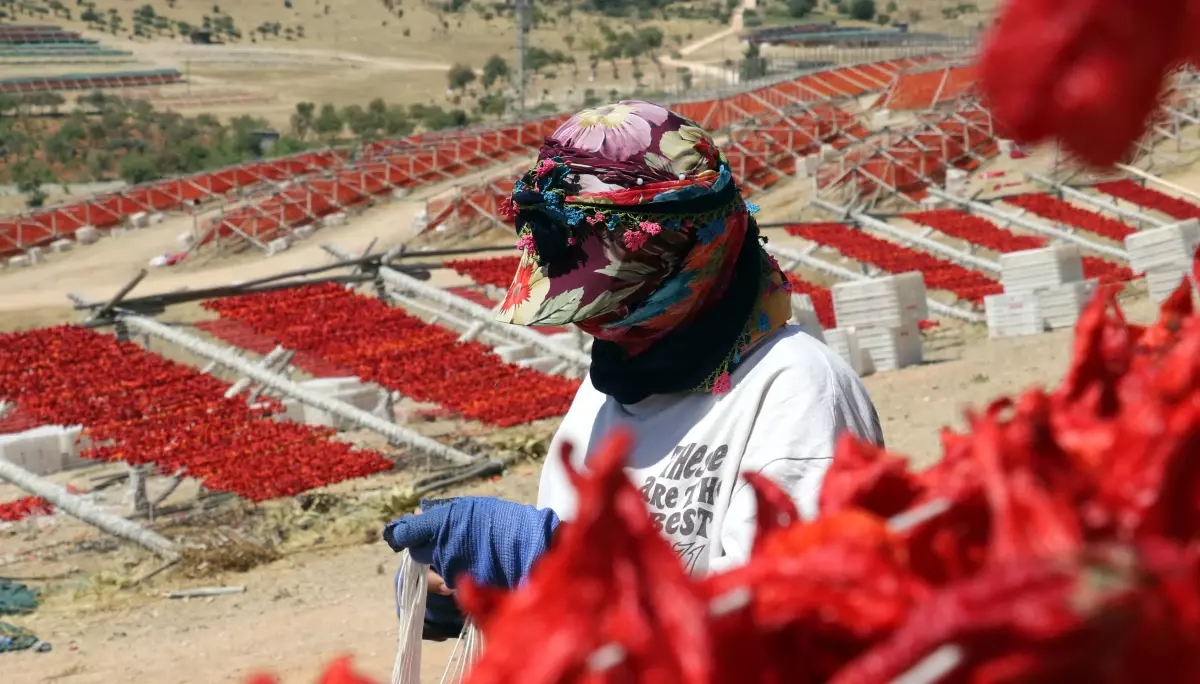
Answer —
(791, 398)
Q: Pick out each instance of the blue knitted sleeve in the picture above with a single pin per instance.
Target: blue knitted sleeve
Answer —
(494, 542)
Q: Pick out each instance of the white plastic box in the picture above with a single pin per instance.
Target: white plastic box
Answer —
(1012, 315)
(890, 302)
(1037, 269)
(844, 341)
(889, 349)
(1165, 247)
(1060, 306)
(804, 315)
(1163, 280)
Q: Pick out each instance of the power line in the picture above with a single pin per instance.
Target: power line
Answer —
(522, 23)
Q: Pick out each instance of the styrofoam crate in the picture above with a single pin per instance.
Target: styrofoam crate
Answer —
(889, 302)
(844, 341)
(1012, 315)
(1035, 269)
(1166, 246)
(890, 349)
(87, 235)
(1163, 281)
(804, 315)
(1061, 305)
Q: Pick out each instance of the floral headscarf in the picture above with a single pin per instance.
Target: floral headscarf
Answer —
(631, 226)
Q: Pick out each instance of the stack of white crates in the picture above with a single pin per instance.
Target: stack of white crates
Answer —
(1011, 315)
(1164, 255)
(844, 341)
(882, 316)
(804, 314)
(1048, 280)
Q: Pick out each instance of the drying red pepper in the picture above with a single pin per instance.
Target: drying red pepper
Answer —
(1087, 72)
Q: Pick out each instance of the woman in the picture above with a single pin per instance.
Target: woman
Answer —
(632, 228)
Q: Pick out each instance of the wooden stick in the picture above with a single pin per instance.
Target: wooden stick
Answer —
(204, 591)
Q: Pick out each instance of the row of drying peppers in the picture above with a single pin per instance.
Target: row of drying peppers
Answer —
(242, 336)
(385, 345)
(1059, 211)
(939, 274)
(983, 233)
(1149, 198)
(1057, 540)
(140, 408)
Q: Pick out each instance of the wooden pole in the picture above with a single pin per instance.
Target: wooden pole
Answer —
(77, 507)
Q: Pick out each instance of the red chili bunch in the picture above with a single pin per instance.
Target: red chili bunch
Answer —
(1087, 72)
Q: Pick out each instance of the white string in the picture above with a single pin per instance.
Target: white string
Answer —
(411, 591)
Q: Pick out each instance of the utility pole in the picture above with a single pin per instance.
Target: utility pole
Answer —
(522, 24)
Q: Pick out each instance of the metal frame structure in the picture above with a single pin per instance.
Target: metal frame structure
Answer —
(43, 226)
(924, 89)
(125, 79)
(35, 34)
(421, 160)
(901, 163)
(387, 165)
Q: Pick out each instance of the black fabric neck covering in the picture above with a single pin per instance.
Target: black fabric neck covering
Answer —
(684, 358)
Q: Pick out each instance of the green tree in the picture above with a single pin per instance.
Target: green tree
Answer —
(360, 122)
(754, 65)
(460, 76)
(59, 148)
(9, 103)
(302, 119)
(493, 104)
(892, 6)
(495, 69)
(863, 10)
(396, 121)
(30, 175)
(800, 8)
(136, 168)
(328, 123)
(377, 110)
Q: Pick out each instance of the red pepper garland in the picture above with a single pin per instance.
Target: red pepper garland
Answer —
(1087, 72)
(1057, 540)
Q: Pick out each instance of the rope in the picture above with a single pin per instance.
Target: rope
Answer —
(411, 591)
(410, 598)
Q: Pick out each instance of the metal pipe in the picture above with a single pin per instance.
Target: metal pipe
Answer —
(394, 433)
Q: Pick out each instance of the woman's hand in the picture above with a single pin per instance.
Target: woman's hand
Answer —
(437, 585)
(494, 542)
